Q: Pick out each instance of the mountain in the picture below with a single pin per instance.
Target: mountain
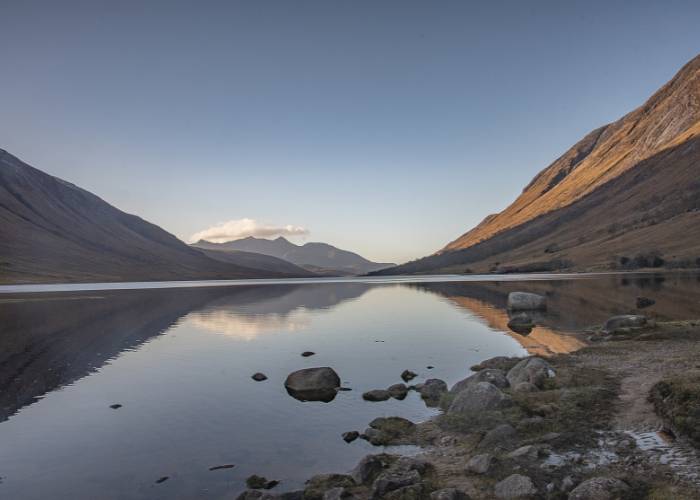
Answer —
(627, 195)
(319, 258)
(265, 263)
(53, 231)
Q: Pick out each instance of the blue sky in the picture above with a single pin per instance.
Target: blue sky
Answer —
(387, 128)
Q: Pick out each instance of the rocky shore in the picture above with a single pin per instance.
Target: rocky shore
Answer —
(617, 419)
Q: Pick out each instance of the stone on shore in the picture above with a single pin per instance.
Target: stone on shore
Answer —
(521, 323)
(383, 431)
(492, 375)
(515, 486)
(643, 302)
(255, 495)
(500, 437)
(624, 322)
(432, 389)
(371, 466)
(504, 363)
(338, 493)
(533, 370)
(317, 486)
(478, 397)
(523, 301)
(480, 464)
(599, 488)
(449, 494)
(376, 395)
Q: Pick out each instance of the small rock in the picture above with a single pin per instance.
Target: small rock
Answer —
(515, 486)
(350, 436)
(318, 485)
(566, 484)
(530, 423)
(533, 370)
(256, 482)
(480, 397)
(449, 494)
(389, 430)
(412, 492)
(162, 479)
(501, 436)
(523, 301)
(220, 467)
(529, 451)
(521, 323)
(256, 495)
(480, 464)
(306, 354)
(370, 467)
(504, 363)
(259, 377)
(525, 387)
(393, 480)
(115, 406)
(599, 488)
(290, 495)
(494, 376)
(398, 391)
(408, 375)
(432, 389)
(430, 367)
(546, 409)
(617, 324)
(376, 395)
(643, 302)
(338, 493)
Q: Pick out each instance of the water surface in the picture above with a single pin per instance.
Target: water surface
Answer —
(179, 360)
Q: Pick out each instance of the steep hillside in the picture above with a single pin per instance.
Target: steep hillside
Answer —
(628, 189)
(319, 258)
(53, 231)
(261, 262)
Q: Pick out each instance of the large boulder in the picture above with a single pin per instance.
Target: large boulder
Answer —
(482, 396)
(515, 486)
(599, 488)
(313, 384)
(533, 370)
(625, 322)
(492, 375)
(523, 301)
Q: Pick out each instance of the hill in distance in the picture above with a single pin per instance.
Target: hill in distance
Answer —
(626, 195)
(53, 231)
(319, 258)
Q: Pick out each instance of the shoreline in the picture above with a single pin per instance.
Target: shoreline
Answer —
(589, 429)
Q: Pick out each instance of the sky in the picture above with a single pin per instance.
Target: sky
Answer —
(387, 128)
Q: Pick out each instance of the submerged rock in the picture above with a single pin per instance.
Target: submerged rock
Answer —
(492, 375)
(533, 370)
(523, 301)
(599, 488)
(479, 397)
(313, 384)
(376, 395)
(515, 486)
(624, 321)
(408, 375)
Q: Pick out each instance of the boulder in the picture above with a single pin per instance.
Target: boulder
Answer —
(313, 384)
(398, 391)
(371, 466)
(523, 301)
(624, 321)
(504, 363)
(479, 397)
(492, 375)
(393, 480)
(643, 302)
(501, 436)
(432, 389)
(317, 486)
(449, 494)
(338, 493)
(412, 492)
(521, 323)
(515, 486)
(599, 488)
(260, 482)
(376, 395)
(480, 464)
(533, 370)
(530, 452)
(383, 431)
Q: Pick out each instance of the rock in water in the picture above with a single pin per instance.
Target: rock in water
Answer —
(408, 375)
(492, 375)
(521, 323)
(313, 384)
(643, 302)
(350, 436)
(259, 377)
(383, 431)
(523, 301)
(432, 389)
(599, 488)
(533, 370)
(515, 486)
(306, 354)
(376, 395)
(624, 321)
(480, 397)
(398, 391)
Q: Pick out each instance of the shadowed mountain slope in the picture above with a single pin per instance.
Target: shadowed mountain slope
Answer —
(630, 187)
(54, 231)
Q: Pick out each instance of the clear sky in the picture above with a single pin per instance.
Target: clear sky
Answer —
(384, 127)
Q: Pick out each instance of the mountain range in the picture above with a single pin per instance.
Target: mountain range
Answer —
(319, 258)
(627, 195)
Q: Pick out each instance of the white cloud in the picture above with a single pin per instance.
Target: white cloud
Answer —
(242, 228)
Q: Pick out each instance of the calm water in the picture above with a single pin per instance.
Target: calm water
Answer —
(179, 360)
